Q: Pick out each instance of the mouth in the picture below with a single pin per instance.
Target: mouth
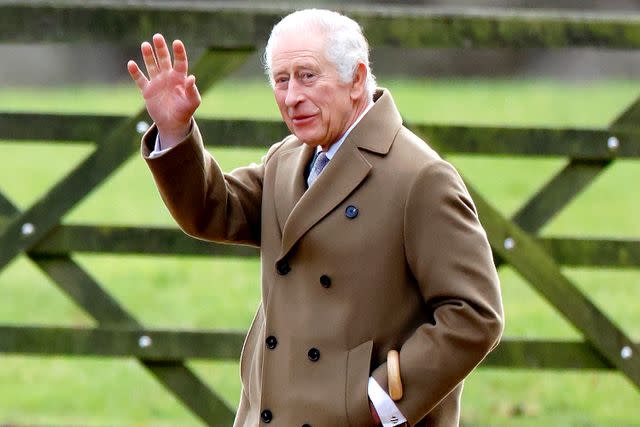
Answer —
(301, 120)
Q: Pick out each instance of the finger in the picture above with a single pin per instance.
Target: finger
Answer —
(180, 63)
(162, 52)
(149, 60)
(191, 90)
(136, 75)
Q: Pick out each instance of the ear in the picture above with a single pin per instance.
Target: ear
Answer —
(358, 86)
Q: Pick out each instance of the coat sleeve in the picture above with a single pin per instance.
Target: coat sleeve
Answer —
(205, 202)
(460, 287)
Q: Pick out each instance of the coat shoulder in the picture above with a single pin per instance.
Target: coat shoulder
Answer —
(290, 141)
(408, 143)
(411, 156)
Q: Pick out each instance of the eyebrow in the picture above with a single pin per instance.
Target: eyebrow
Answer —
(300, 63)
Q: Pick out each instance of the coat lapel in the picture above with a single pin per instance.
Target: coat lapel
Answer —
(341, 176)
(297, 210)
(290, 182)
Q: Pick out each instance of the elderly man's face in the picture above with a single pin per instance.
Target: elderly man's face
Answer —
(316, 106)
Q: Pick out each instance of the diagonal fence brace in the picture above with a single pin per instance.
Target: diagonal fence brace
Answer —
(46, 214)
(27, 229)
(93, 299)
(558, 192)
(530, 259)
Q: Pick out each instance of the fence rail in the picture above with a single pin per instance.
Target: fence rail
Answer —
(580, 144)
(162, 345)
(238, 25)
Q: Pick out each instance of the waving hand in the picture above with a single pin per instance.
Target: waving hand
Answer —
(170, 94)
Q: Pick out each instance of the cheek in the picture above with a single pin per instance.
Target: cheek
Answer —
(281, 107)
(330, 100)
(280, 96)
(279, 99)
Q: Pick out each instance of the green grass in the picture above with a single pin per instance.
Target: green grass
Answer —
(223, 293)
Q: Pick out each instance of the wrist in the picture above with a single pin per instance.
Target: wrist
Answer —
(171, 137)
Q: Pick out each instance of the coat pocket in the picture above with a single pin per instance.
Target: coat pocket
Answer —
(357, 398)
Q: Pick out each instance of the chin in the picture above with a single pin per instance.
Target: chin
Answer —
(310, 143)
(308, 139)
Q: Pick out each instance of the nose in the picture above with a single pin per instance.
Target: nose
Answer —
(294, 94)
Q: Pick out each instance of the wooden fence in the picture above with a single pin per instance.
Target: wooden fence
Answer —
(230, 35)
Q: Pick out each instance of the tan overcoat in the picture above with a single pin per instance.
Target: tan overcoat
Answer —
(384, 251)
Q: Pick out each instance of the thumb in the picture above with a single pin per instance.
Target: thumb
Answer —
(191, 90)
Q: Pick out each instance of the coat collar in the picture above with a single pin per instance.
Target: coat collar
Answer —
(298, 210)
(378, 128)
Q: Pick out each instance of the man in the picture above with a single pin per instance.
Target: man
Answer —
(369, 241)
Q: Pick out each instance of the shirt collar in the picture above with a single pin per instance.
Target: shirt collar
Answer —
(334, 147)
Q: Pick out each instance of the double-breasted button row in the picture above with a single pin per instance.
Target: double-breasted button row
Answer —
(283, 267)
(266, 416)
(271, 342)
(313, 353)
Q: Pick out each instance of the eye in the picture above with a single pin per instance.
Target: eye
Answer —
(307, 76)
(281, 80)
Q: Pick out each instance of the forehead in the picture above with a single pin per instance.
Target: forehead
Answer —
(291, 49)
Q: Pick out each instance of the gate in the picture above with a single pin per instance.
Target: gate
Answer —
(231, 34)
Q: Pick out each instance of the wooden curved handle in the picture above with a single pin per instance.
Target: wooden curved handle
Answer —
(393, 374)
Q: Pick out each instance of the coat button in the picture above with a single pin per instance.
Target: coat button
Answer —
(283, 268)
(325, 281)
(351, 212)
(314, 354)
(266, 416)
(271, 342)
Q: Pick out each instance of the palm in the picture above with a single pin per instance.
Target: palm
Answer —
(170, 94)
(167, 101)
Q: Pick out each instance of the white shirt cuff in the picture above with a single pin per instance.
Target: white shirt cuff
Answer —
(388, 412)
(157, 149)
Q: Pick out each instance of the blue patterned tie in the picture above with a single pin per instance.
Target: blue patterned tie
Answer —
(319, 164)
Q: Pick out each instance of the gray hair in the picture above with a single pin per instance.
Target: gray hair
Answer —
(345, 45)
